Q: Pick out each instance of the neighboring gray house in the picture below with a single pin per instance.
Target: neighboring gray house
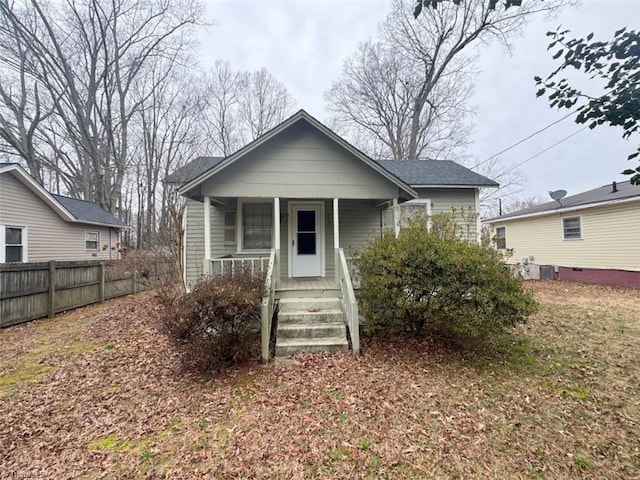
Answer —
(306, 197)
(36, 225)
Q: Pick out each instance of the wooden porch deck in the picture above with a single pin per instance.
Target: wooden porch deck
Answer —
(308, 283)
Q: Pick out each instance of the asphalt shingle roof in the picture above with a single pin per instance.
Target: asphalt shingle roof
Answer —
(86, 211)
(435, 172)
(412, 172)
(191, 170)
(596, 195)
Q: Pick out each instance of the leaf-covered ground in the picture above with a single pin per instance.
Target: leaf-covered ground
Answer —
(98, 393)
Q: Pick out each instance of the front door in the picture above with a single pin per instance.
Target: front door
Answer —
(306, 240)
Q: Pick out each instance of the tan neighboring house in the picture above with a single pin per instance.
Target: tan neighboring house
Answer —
(592, 236)
(36, 225)
(298, 202)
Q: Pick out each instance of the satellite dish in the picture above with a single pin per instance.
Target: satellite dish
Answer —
(558, 195)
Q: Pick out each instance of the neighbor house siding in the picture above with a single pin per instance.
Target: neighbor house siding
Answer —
(609, 238)
(300, 163)
(48, 236)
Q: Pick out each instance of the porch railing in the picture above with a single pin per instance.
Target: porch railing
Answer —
(348, 299)
(354, 271)
(268, 302)
(230, 265)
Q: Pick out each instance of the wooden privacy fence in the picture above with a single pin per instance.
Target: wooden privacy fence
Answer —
(33, 290)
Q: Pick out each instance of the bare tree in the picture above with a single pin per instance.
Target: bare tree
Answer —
(409, 89)
(241, 106)
(87, 58)
(263, 103)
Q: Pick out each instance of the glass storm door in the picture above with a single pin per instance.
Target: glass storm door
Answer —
(306, 241)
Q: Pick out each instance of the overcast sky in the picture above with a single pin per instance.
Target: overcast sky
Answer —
(303, 44)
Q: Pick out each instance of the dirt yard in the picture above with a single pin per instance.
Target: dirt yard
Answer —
(98, 393)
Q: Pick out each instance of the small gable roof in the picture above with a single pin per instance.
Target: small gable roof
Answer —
(299, 116)
(69, 209)
(428, 173)
(603, 195)
(88, 212)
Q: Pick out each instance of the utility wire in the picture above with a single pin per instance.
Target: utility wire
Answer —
(524, 139)
(535, 156)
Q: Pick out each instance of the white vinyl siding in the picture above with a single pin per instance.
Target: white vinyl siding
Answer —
(230, 227)
(572, 228)
(49, 236)
(609, 238)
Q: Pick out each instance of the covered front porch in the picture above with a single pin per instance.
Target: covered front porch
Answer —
(304, 247)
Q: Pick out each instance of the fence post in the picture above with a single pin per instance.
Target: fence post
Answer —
(134, 282)
(51, 308)
(102, 273)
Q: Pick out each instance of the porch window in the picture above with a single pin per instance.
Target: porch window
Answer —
(230, 227)
(257, 225)
(14, 244)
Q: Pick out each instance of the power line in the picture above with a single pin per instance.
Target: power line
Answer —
(524, 139)
(535, 156)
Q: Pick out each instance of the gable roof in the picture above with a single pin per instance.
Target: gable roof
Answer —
(69, 209)
(301, 115)
(603, 195)
(88, 212)
(429, 173)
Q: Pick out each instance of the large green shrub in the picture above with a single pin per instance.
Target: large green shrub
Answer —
(217, 323)
(433, 280)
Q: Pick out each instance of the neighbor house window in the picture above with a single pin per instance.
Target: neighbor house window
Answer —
(92, 240)
(257, 223)
(572, 228)
(14, 248)
(230, 227)
(501, 238)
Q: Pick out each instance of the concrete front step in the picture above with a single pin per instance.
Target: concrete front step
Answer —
(327, 315)
(289, 346)
(309, 303)
(312, 331)
(315, 293)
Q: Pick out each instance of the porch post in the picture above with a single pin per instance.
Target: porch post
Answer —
(207, 236)
(336, 240)
(396, 218)
(276, 239)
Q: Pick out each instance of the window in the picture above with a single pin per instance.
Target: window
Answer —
(413, 209)
(230, 227)
(14, 244)
(257, 221)
(501, 238)
(92, 240)
(572, 228)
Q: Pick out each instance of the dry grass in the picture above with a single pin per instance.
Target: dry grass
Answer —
(98, 394)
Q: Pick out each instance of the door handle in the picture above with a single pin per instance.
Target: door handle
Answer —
(293, 242)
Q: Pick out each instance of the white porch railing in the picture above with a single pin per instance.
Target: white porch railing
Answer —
(230, 265)
(348, 300)
(354, 271)
(268, 301)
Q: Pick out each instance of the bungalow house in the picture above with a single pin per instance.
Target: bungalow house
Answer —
(592, 236)
(37, 226)
(298, 201)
